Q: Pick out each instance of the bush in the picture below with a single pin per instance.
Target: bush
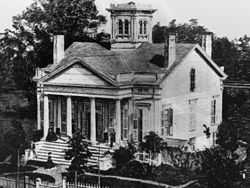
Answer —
(134, 169)
(37, 135)
(173, 176)
(123, 155)
(220, 168)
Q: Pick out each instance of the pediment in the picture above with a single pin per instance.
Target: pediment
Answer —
(77, 75)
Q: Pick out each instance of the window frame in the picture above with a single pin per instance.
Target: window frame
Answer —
(192, 114)
(192, 80)
(145, 27)
(167, 114)
(120, 27)
(214, 110)
(126, 27)
(141, 27)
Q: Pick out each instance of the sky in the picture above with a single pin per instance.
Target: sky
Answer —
(228, 18)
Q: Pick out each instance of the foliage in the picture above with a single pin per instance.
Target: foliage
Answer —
(173, 176)
(78, 154)
(188, 32)
(220, 168)
(227, 136)
(123, 155)
(37, 135)
(29, 43)
(152, 143)
(15, 139)
(134, 169)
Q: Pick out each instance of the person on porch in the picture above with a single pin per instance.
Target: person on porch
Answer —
(112, 137)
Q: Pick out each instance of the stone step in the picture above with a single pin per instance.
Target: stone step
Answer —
(57, 150)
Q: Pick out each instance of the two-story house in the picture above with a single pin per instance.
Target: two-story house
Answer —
(136, 87)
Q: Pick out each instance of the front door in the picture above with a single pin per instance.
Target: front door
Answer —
(138, 125)
(105, 116)
(81, 117)
(84, 119)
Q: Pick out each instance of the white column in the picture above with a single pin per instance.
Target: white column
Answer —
(69, 116)
(38, 111)
(59, 113)
(118, 122)
(92, 120)
(46, 116)
(54, 104)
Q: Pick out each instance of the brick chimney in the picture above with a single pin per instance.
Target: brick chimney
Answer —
(58, 48)
(170, 50)
(206, 43)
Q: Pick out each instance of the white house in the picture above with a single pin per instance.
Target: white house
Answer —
(136, 87)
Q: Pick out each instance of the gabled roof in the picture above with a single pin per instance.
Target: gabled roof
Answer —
(147, 58)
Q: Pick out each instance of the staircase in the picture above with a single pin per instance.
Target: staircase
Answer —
(57, 150)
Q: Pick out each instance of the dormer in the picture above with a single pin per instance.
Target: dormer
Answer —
(131, 24)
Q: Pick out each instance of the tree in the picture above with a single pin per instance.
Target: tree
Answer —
(29, 43)
(227, 136)
(220, 168)
(153, 143)
(188, 32)
(78, 154)
(15, 139)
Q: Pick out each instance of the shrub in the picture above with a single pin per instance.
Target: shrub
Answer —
(78, 154)
(123, 155)
(37, 135)
(220, 168)
(134, 169)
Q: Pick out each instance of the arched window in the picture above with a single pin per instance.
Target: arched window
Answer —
(145, 27)
(126, 27)
(141, 27)
(192, 80)
(120, 27)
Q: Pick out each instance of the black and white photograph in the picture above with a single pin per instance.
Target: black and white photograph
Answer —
(124, 94)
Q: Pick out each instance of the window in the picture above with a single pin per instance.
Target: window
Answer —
(192, 114)
(64, 115)
(126, 27)
(192, 80)
(125, 122)
(214, 110)
(120, 27)
(135, 125)
(167, 121)
(141, 27)
(53, 113)
(145, 27)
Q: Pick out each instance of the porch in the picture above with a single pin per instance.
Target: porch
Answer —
(99, 119)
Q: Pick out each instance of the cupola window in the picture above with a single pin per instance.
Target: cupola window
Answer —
(145, 27)
(120, 27)
(126, 27)
(141, 27)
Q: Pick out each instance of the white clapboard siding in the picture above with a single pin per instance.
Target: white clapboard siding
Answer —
(78, 75)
